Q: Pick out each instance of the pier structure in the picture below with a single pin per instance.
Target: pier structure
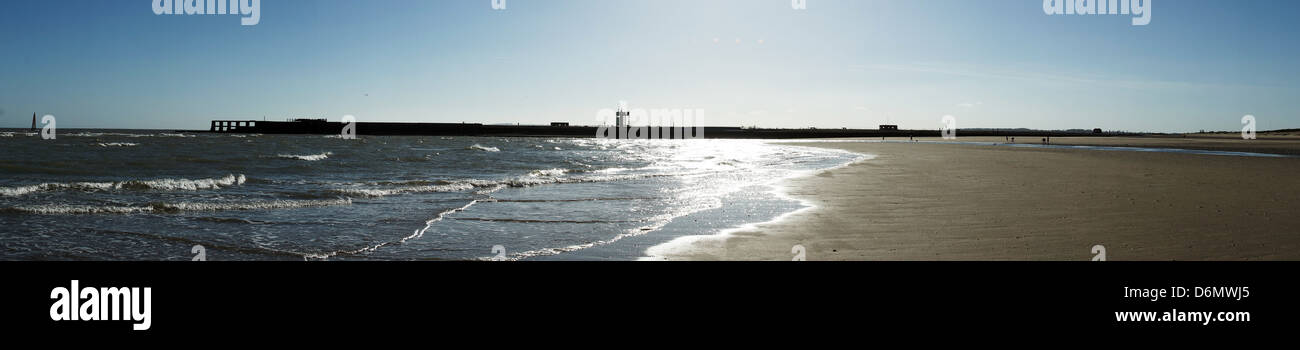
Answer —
(232, 125)
(559, 129)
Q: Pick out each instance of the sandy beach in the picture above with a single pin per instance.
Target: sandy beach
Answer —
(920, 201)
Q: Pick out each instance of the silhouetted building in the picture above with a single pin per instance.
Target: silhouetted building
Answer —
(559, 123)
(889, 127)
(621, 117)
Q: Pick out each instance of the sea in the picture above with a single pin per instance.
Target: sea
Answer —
(162, 195)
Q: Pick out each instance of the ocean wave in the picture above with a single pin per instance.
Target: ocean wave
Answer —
(309, 157)
(64, 209)
(483, 186)
(483, 148)
(253, 205)
(406, 182)
(118, 144)
(575, 200)
(176, 135)
(488, 190)
(533, 221)
(160, 184)
(68, 209)
(99, 134)
(383, 192)
(548, 172)
(547, 180)
(221, 220)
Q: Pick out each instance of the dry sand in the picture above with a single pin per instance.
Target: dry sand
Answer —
(918, 201)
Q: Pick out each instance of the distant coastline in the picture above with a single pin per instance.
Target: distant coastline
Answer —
(323, 127)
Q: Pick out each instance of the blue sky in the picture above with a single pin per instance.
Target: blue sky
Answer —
(1200, 64)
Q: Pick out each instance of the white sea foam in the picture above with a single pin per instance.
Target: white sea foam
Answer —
(99, 134)
(67, 209)
(696, 244)
(309, 157)
(548, 172)
(535, 178)
(118, 144)
(382, 192)
(483, 148)
(159, 184)
(249, 205)
(653, 224)
(63, 209)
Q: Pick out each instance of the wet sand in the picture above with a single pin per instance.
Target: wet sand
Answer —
(918, 201)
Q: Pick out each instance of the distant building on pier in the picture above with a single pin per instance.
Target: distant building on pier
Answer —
(621, 117)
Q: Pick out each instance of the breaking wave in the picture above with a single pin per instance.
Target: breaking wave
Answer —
(382, 192)
(535, 178)
(160, 184)
(67, 209)
(549, 172)
(310, 157)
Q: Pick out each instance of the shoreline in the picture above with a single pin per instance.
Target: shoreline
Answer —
(929, 201)
(777, 190)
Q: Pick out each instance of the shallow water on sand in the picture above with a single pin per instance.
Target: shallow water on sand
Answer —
(1082, 147)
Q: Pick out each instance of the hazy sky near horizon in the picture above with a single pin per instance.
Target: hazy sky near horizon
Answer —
(1199, 64)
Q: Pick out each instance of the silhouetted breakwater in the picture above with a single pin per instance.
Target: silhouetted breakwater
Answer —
(322, 127)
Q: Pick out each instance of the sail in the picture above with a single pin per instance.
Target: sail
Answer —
(33, 121)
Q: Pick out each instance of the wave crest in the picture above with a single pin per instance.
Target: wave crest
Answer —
(382, 192)
(160, 184)
(309, 157)
(172, 208)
